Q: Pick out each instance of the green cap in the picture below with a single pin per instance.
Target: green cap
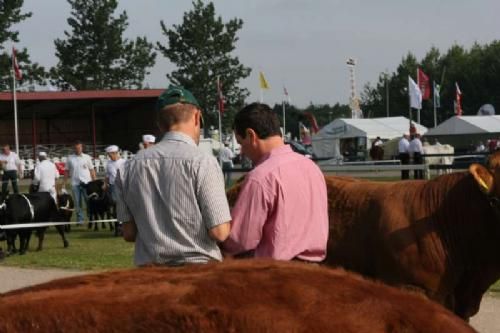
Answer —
(174, 95)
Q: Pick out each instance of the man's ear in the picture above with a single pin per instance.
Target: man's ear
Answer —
(483, 177)
(250, 133)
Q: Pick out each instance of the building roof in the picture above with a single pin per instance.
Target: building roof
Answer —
(467, 125)
(81, 95)
(386, 128)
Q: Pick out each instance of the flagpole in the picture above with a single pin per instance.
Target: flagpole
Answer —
(284, 127)
(434, 101)
(261, 95)
(14, 98)
(418, 85)
(220, 138)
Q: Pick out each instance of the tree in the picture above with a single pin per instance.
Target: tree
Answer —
(11, 14)
(201, 48)
(95, 55)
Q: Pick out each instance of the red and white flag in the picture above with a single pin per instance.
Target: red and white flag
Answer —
(15, 66)
(286, 97)
(423, 84)
(458, 100)
(220, 96)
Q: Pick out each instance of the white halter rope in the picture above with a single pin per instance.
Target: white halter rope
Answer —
(32, 208)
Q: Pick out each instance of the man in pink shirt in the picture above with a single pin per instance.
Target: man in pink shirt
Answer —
(282, 209)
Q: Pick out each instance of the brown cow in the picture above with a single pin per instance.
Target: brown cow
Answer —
(239, 296)
(441, 236)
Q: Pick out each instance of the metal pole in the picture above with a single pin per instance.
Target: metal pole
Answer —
(33, 133)
(220, 137)
(93, 132)
(434, 101)
(418, 116)
(387, 93)
(284, 127)
(14, 97)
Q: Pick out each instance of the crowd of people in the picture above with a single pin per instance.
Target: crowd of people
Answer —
(171, 195)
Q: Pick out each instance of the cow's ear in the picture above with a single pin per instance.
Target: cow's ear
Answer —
(483, 177)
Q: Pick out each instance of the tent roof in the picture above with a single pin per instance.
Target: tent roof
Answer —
(467, 125)
(386, 128)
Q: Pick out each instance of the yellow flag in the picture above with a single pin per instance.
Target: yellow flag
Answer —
(263, 82)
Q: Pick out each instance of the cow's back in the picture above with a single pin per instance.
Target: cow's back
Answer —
(238, 296)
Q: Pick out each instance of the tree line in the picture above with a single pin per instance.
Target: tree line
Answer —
(476, 70)
(94, 54)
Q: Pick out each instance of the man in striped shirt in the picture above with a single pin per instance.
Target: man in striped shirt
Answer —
(171, 196)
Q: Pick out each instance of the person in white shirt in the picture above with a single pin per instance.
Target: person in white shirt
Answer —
(11, 165)
(148, 140)
(45, 175)
(416, 150)
(114, 164)
(226, 156)
(404, 155)
(80, 170)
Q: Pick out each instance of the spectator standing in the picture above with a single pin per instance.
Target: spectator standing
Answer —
(80, 171)
(282, 209)
(11, 165)
(46, 175)
(226, 155)
(171, 197)
(404, 155)
(416, 151)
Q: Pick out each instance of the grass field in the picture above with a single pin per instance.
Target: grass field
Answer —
(88, 250)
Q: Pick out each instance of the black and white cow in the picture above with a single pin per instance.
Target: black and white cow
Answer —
(28, 208)
(99, 202)
(66, 207)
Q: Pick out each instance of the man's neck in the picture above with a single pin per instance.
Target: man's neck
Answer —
(269, 144)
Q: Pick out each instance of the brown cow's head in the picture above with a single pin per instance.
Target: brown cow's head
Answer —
(488, 180)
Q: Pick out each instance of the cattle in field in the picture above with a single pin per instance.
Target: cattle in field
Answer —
(28, 208)
(439, 160)
(440, 236)
(100, 202)
(66, 207)
(238, 296)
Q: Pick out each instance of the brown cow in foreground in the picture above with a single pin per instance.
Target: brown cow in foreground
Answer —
(238, 296)
(441, 236)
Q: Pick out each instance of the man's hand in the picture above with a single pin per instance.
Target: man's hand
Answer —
(129, 230)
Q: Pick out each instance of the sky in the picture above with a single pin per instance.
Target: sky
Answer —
(300, 44)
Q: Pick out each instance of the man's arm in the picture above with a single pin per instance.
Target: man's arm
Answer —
(122, 212)
(212, 200)
(220, 232)
(249, 216)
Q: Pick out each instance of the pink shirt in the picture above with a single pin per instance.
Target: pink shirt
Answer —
(282, 209)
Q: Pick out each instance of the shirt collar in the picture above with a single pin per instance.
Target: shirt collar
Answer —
(285, 149)
(178, 136)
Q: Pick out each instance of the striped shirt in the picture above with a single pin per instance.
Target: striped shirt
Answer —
(175, 193)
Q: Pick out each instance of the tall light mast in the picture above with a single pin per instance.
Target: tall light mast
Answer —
(354, 100)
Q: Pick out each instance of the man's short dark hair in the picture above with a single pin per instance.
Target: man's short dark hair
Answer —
(259, 117)
(77, 142)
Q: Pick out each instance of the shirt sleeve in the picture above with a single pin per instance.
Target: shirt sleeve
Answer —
(122, 212)
(249, 216)
(36, 175)
(89, 163)
(211, 194)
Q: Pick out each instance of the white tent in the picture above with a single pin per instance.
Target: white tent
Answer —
(326, 142)
(467, 125)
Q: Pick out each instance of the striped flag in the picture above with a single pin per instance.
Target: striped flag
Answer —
(15, 66)
(458, 100)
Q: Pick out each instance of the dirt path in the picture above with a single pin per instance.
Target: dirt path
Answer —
(486, 321)
(13, 278)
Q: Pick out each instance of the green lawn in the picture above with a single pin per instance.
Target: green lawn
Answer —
(88, 250)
